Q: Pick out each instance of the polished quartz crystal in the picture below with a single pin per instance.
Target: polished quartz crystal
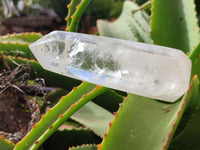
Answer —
(143, 69)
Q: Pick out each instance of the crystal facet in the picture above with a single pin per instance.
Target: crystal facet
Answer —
(144, 69)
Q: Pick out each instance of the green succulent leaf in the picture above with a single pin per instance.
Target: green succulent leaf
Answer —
(174, 24)
(133, 24)
(5, 144)
(15, 49)
(21, 38)
(109, 100)
(17, 44)
(85, 147)
(143, 120)
(195, 58)
(75, 10)
(94, 117)
(191, 110)
(71, 10)
(90, 115)
(189, 139)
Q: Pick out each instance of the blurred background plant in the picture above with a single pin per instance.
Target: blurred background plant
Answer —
(89, 124)
(55, 12)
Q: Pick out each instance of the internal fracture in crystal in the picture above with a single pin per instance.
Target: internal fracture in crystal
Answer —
(148, 70)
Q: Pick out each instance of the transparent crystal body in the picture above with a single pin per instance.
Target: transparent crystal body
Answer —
(148, 70)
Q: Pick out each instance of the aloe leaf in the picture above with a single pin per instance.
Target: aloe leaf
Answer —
(85, 147)
(75, 11)
(5, 144)
(108, 100)
(71, 10)
(94, 117)
(133, 24)
(15, 49)
(191, 110)
(17, 44)
(143, 120)
(194, 103)
(189, 139)
(174, 24)
(63, 139)
(91, 115)
(195, 58)
(21, 38)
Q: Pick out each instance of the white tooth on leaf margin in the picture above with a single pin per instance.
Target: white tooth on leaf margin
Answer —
(144, 69)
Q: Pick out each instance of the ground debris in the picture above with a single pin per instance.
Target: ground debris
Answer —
(9, 79)
(18, 112)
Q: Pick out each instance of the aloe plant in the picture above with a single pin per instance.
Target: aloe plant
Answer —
(138, 119)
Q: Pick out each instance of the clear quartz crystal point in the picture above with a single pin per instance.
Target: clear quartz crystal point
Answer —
(148, 70)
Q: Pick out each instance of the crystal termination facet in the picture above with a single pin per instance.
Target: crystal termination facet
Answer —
(144, 69)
